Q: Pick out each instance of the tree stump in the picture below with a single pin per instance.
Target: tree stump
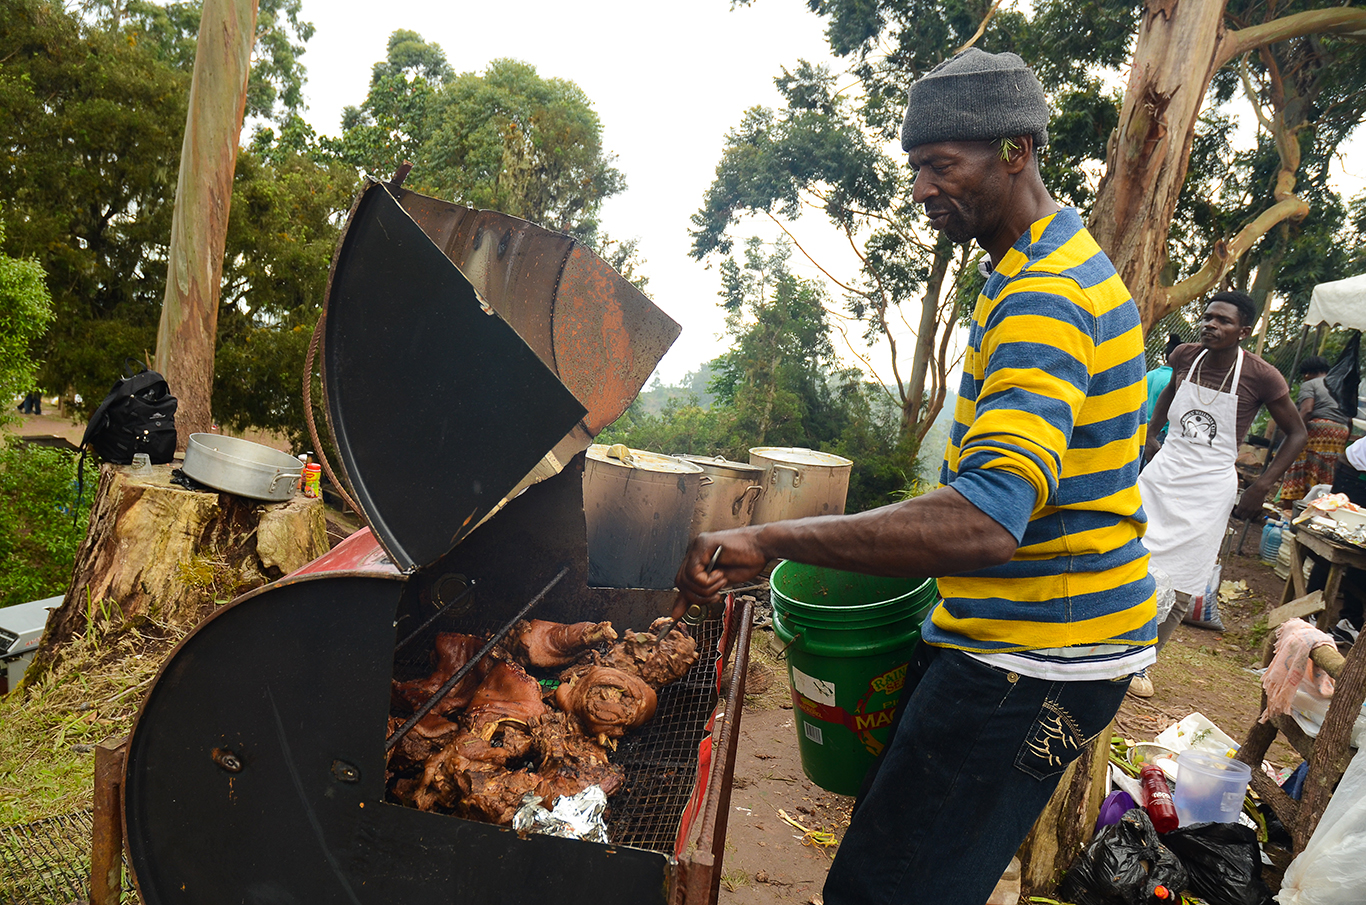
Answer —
(1067, 822)
(155, 549)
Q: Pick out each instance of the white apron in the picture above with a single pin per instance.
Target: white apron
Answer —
(1190, 486)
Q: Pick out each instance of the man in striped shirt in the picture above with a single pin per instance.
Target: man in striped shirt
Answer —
(1035, 532)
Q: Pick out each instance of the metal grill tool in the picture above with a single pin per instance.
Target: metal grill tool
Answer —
(696, 613)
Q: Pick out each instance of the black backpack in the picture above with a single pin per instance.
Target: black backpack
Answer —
(138, 416)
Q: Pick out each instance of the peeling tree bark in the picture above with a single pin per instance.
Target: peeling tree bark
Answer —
(1149, 151)
(1181, 43)
(199, 223)
(1067, 821)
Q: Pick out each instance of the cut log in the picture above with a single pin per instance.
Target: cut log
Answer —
(1068, 820)
(156, 549)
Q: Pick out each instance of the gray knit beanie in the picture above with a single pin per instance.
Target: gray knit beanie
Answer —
(976, 96)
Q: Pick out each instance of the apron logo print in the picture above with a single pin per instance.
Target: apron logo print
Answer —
(1199, 425)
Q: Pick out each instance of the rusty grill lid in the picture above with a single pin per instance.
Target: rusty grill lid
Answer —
(436, 405)
(468, 354)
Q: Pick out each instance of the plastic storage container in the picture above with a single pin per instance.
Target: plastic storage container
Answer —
(1209, 788)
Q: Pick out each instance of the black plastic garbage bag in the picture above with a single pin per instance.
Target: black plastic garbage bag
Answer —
(1123, 865)
(1224, 862)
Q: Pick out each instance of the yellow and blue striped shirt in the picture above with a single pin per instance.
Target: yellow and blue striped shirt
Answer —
(1046, 440)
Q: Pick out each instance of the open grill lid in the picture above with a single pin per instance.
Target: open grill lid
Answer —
(447, 396)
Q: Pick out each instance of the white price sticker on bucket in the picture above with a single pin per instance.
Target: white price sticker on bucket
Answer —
(812, 688)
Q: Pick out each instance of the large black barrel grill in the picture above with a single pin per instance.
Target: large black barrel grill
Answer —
(468, 360)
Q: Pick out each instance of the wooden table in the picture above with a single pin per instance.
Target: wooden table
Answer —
(1331, 558)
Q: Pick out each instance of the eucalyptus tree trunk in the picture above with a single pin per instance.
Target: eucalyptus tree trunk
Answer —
(199, 223)
(917, 412)
(1180, 46)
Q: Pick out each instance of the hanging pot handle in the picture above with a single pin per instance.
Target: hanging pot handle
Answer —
(796, 475)
(745, 499)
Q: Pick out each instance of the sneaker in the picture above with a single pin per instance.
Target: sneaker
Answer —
(1141, 686)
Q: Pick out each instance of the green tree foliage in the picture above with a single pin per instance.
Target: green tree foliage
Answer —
(38, 538)
(90, 120)
(772, 376)
(505, 139)
(396, 119)
(276, 86)
(281, 237)
(92, 109)
(778, 161)
(824, 148)
(25, 312)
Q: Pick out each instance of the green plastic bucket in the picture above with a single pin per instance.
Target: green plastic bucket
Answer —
(848, 639)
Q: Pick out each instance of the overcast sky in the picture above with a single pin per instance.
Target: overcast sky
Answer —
(667, 80)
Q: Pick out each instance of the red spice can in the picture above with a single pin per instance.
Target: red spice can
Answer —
(312, 480)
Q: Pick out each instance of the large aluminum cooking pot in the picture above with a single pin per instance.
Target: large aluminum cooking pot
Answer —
(242, 467)
(638, 507)
(799, 482)
(729, 491)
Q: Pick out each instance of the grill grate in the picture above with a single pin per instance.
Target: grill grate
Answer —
(47, 862)
(659, 759)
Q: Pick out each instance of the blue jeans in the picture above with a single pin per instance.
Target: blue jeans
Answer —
(975, 754)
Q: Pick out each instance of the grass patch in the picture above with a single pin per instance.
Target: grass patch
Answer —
(775, 692)
(734, 878)
(48, 731)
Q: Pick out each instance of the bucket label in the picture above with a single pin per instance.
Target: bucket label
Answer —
(813, 732)
(874, 710)
(812, 688)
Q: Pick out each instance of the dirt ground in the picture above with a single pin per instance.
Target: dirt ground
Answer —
(770, 861)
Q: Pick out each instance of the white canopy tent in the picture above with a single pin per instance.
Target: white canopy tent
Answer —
(1339, 303)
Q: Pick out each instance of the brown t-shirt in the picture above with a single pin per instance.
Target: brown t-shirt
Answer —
(1259, 384)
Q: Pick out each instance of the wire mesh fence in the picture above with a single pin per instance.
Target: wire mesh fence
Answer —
(47, 862)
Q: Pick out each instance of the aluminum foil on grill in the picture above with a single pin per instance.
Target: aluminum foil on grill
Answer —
(573, 817)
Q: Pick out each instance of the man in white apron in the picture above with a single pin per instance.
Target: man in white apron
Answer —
(1189, 486)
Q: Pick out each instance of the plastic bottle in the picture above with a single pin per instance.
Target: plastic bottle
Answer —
(1157, 798)
(1271, 540)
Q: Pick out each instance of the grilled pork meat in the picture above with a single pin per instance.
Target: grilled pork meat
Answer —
(641, 654)
(607, 701)
(570, 760)
(430, 735)
(453, 650)
(495, 796)
(550, 645)
(506, 694)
